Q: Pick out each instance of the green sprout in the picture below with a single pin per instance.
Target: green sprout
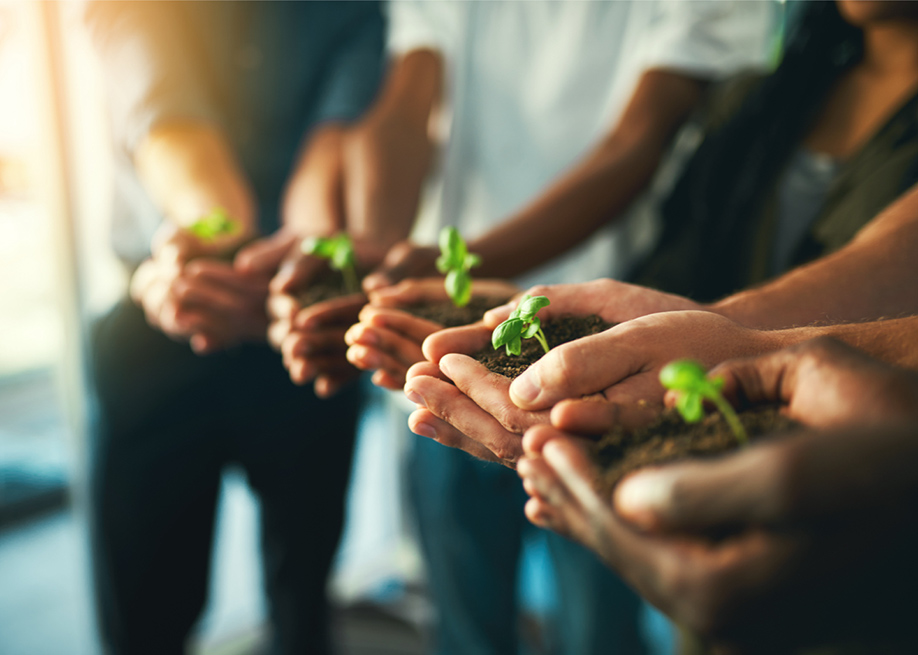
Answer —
(522, 324)
(689, 379)
(455, 261)
(215, 224)
(339, 251)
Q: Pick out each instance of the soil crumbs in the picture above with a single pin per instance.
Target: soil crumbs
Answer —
(670, 439)
(557, 331)
(448, 315)
(327, 285)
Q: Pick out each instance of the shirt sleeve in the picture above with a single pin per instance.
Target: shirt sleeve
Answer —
(711, 38)
(151, 65)
(420, 24)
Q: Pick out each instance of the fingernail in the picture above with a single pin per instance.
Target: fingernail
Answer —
(644, 495)
(425, 430)
(524, 390)
(415, 397)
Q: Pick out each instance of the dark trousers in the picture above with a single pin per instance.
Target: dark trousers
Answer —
(471, 522)
(168, 422)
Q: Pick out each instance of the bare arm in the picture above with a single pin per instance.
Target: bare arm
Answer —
(599, 187)
(870, 278)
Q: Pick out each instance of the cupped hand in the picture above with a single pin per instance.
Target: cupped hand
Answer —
(191, 295)
(623, 363)
(823, 383)
(388, 340)
(613, 301)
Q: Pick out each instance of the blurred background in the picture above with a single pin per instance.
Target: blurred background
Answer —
(57, 273)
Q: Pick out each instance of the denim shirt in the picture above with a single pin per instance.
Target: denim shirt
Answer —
(266, 72)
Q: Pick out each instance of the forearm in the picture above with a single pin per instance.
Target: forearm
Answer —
(399, 123)
(871, 278)
(189, 168)
(598, 188)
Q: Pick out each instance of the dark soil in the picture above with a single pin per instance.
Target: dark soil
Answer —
(327, 285)
(448, 315)
(557, 331)
(670, 439)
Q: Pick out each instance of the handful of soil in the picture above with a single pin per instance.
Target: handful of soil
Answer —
(448, 315)
(557, 331)
(327, 285)
(670, 439)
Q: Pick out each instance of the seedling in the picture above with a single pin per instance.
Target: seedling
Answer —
(522, 324)
(339, 251)
(215, 224)
(455, 261)
(689, 379)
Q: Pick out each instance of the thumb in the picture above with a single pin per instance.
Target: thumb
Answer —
(403, 260)
(264, 255)
(571, 370)
(695, 496)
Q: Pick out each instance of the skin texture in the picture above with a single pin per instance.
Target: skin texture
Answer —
(734, 546)
(388, 341)
(187, 288)
(364, 179)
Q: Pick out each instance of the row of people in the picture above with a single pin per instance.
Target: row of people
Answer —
(297, 136)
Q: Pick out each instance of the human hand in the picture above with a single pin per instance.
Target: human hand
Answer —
(611, 300)
(190, 294)
(809, 545)
(388, 340)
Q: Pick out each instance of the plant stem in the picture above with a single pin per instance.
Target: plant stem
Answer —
(732, 419)
(540, 337)
(350, 279)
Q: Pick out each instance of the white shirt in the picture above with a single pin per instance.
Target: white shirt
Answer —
(532, 86)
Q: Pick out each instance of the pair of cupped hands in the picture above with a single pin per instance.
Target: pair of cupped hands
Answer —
(785, 543)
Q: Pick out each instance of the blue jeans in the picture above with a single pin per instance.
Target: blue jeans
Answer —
(470, 522)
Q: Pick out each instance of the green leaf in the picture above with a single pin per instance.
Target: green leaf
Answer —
(452, 248)
(514, 347)
(684, 375)
(216, 223)
(532, 328)
(459, 287)
(506, 332)
(471, 261)
(530, 306)
(689, 405)
(319, 246)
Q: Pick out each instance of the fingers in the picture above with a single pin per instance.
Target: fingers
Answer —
(337, 311)
(744, 488)
(575, 369)
(408, 292)
(425, 424)
(264, 256)
(466, 339)
(489, 392)
(449, 404)
(376, 348)
(592, 416)
(296, 272)
(402, 261)
(411, 327)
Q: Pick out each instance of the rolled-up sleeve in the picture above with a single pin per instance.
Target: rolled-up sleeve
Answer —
(711, 38)
(151, 67)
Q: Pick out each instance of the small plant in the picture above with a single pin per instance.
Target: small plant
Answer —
(339, 251)
(455, 261)
(522, 324)
(215, 224)
(689, 379)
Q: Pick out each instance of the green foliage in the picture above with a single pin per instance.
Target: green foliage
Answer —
(339, 251)
(522, 324)
(689, 379)
(215, 224)
(455, 261)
